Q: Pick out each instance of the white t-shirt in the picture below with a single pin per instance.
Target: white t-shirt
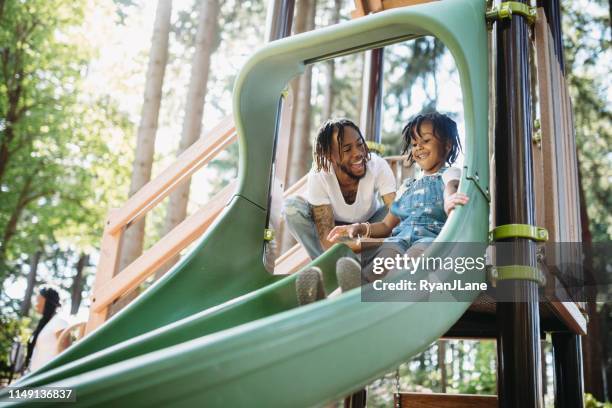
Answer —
(452, 173)
(46, 344)
(324, 189)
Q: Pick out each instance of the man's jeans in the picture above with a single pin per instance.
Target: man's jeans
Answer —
(298, 215)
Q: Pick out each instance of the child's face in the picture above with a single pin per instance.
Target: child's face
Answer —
(428, 150)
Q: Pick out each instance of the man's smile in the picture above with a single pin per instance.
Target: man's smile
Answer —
(358, 165)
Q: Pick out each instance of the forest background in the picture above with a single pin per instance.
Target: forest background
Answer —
(76, 138)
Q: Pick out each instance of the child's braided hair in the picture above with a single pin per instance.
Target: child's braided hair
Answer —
(444, 128)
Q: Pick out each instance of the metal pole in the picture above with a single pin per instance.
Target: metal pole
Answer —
(519, 354)
(278, 25)
(371, 99)
(279, 19)
(569, 387)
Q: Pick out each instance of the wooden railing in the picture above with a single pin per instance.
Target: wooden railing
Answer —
(110, 284)
(69, 335)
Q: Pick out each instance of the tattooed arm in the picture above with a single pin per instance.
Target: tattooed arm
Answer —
(324, 221)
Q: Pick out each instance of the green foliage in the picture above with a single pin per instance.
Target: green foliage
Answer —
(412, 71)
(12, 329)
(57, 141)
(122, 6)
(482, 378)
(36, 86)
(226, 164)
(346, 88)
(591, 402)
(470, 369)
(409, 63)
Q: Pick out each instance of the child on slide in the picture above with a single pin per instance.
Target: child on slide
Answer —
(420, 210)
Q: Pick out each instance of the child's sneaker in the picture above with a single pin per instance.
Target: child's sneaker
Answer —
(309, 286)
(348, 272)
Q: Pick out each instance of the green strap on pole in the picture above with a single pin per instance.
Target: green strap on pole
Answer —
(532, 232)
(517, 272)
(509, 8)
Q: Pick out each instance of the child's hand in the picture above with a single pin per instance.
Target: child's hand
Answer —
(453, 201)
(342, 233)
(355, 245)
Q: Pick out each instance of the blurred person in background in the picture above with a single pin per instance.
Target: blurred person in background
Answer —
(43, 344)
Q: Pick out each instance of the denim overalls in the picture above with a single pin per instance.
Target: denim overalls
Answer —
(420, 209)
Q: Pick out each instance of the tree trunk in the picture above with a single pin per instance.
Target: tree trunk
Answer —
(26, 196)
(14, 93)
(610, 12)
(299, 27)
(76, 292)
(328, 92)
(145, 139)
(543, 345)
(301, 148)
(132, 242)
(26, 303)
(206, 40)
(450, 370)
(593, 348)
(442, 365)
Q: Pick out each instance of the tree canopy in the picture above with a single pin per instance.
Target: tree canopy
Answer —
(61, 145)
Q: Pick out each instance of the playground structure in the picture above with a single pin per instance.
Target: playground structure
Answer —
(220, 328)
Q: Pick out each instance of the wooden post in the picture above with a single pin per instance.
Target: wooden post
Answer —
(107, 265)
(364, 7)
(562, 212)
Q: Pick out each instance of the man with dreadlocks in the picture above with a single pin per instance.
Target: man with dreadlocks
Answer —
(345, 186)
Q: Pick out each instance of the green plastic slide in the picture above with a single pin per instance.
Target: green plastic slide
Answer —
(220, 331)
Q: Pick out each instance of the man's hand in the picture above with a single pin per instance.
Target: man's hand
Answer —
(343, 233)
(355, 245)
(453, 201)
(347, 234)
